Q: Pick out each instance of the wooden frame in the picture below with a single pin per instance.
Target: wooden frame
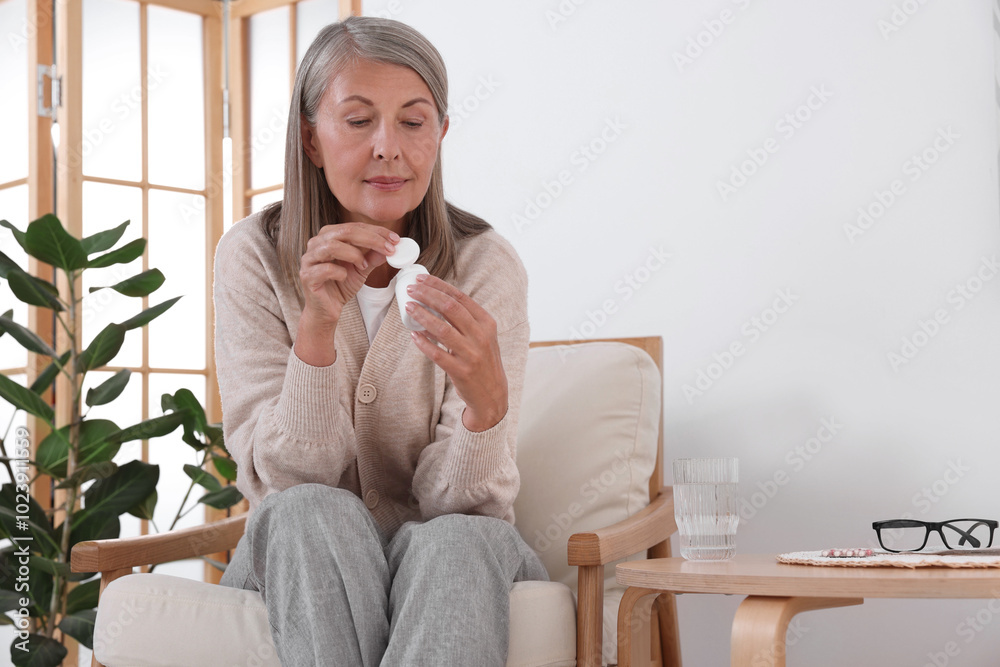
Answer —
(648, 530)
(239, 88)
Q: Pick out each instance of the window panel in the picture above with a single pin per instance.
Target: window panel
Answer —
(260, 201)
(177, 248)
(176, 99)
(13, 92)
(171, 453)
(13, 207)
(112, 94)
(313, 16)
(106, 206)
(269, 95)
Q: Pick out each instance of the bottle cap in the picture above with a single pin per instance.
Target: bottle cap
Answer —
(407, 252)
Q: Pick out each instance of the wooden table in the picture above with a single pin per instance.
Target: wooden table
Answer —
(777, 592)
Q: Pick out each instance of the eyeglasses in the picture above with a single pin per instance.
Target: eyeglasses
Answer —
(911, 534)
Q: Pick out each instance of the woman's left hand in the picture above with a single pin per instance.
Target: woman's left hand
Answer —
(472, 358)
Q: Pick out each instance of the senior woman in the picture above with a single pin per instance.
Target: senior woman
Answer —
(379, 463)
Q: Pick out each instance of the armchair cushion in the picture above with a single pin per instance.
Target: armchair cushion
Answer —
(588, 434)
(158, 620)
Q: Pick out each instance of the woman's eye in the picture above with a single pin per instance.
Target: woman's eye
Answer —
(413, 123)
(358, 122)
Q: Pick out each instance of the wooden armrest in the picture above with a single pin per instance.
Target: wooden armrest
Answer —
(651, 525)
(127, 552)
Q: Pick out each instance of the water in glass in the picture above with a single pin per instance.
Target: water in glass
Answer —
(707, 516)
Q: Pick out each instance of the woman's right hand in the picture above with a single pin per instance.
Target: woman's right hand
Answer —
(336, 264)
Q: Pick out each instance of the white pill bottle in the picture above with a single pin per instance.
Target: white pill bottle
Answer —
(404, 259)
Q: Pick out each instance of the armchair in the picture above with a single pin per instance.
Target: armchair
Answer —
(592, 494)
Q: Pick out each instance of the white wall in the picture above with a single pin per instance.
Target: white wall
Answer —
(531, 86)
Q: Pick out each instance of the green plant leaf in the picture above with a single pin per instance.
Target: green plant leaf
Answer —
(98, 443)
(42, 652)
(23, 398)
(145, 509)
(83, 596)
(151, 428)
(9, 600)
(7, 265)
(110, 389)
(102, 241)
(47, 240)
(97, 526)
(121, 492)
(39, 526)
(85, 473)
(123, 255)
(28, 339)
(49, 565)
(225, 466)
(80, 626)
(34, 291)
(40, 591)
(215, 437)
(102, 349)
(148, 315)
(225, 497)
(18, 234)
(195, 422)
(48, 376)
(202, 478)
(142, 284)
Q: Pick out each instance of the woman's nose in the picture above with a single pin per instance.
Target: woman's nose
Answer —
(386, 143)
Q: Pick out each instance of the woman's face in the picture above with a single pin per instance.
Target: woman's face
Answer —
(376, 138)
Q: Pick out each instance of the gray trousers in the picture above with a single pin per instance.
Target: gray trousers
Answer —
(339, 593)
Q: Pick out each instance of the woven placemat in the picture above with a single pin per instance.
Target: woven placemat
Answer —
(981, 558)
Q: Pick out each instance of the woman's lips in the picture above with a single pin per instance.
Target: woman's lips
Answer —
(386, 184)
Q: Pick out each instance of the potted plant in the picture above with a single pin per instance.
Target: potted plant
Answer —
(36, 585)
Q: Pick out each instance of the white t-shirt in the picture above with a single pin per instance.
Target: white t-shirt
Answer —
(374, 303)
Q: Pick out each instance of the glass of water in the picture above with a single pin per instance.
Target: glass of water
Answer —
(706, 493)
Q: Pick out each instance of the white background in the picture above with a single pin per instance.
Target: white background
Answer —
(534, 82)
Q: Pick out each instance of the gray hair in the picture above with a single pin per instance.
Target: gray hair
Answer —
(308, 202)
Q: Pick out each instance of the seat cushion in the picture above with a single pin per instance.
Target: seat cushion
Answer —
(587, 439)
(158, 620)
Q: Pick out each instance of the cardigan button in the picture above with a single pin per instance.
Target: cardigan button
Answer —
(367, 394)
(371, 499)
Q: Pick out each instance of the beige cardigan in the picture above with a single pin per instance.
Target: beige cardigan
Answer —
(385, 422)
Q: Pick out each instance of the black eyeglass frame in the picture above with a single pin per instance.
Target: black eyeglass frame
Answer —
(935, 526)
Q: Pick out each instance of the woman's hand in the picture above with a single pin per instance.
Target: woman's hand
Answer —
(472, 358)
(336, 264)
